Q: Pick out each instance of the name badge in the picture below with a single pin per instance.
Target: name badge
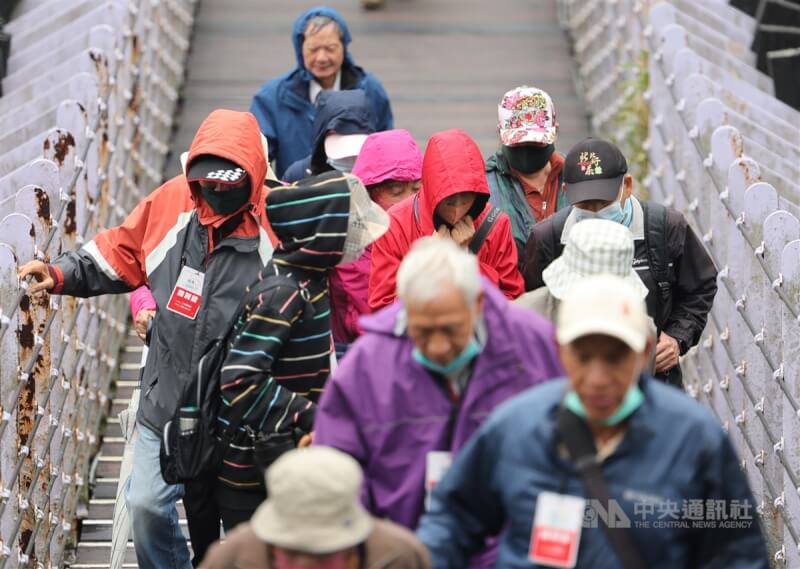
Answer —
(436, 464)
(556, 531)
(187, 294)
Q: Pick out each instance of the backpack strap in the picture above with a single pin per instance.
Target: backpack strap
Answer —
(655, 236)
(557, 224)
(575, 434)
(484, 229)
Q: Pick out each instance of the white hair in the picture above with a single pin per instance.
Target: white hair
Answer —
(433, 263)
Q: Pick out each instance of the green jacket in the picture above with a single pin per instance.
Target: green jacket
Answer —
(507, 193)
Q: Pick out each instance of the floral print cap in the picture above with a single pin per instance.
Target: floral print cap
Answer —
(527, 114)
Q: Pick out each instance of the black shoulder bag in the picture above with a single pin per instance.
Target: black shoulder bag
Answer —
(575, 435)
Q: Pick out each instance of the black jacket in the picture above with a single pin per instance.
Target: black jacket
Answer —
(681, 309)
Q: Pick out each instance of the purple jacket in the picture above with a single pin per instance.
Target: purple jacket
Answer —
(386, 410)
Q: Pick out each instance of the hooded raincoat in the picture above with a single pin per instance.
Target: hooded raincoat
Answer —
(388, 155)
(342, 112)
(169, 230)
(387, 411)
(283, 344)
(452, 164)
(282, 106)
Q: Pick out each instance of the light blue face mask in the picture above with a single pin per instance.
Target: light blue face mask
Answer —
(342, 164)
(612, 212)
(633, 400)
(466, 356)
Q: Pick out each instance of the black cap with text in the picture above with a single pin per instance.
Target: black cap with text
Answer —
(593, 170)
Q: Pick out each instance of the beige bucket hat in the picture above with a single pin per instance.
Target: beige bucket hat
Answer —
(313, 504)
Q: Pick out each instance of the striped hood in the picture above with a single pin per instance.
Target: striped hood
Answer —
(310, 221)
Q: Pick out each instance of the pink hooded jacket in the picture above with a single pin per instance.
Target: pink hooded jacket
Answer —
(387, 155)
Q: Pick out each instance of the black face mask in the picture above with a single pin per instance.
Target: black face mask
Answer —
(227, 202)
(528, 159)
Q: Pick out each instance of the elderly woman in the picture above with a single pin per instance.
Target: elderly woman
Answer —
(649, 461)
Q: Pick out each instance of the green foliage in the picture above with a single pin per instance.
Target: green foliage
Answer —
(632, 120)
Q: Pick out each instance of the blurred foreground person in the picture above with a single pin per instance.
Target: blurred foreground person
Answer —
(605, 469)
(426, 373)
(313, 520)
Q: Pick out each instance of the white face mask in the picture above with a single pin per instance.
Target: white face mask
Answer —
(366, 223)
(342, 164)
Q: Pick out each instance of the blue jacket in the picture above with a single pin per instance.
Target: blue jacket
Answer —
(673, 451)
(343, 112)
(284, 111)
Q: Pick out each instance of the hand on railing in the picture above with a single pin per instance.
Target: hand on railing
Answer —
(40, 274)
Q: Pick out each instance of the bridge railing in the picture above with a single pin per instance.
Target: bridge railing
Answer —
(724, 151)
(86, 115)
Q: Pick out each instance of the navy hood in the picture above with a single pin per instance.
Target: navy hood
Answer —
(343, 112)
(300, 27)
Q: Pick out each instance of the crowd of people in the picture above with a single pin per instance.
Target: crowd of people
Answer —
(409, 359)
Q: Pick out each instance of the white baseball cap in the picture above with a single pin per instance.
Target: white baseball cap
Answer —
(608, 305)
(338, 146)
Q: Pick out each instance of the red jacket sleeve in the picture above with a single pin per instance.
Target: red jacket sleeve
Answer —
(499, 262)
(387, 253)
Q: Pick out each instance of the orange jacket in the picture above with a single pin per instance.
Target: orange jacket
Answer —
(127, 254)
(171, 230)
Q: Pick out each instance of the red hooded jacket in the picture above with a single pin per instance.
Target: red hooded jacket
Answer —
(452, 164)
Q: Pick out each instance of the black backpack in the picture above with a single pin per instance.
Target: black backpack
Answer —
(192, 444)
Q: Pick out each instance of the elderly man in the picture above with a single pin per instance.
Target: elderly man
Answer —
(425, 373)
(312, 520)
(285, 106)
(525, 174)
(661, 478)
(453, 203)
(668, 256)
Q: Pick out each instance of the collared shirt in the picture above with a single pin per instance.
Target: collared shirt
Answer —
(636, 227)
(315, 89)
